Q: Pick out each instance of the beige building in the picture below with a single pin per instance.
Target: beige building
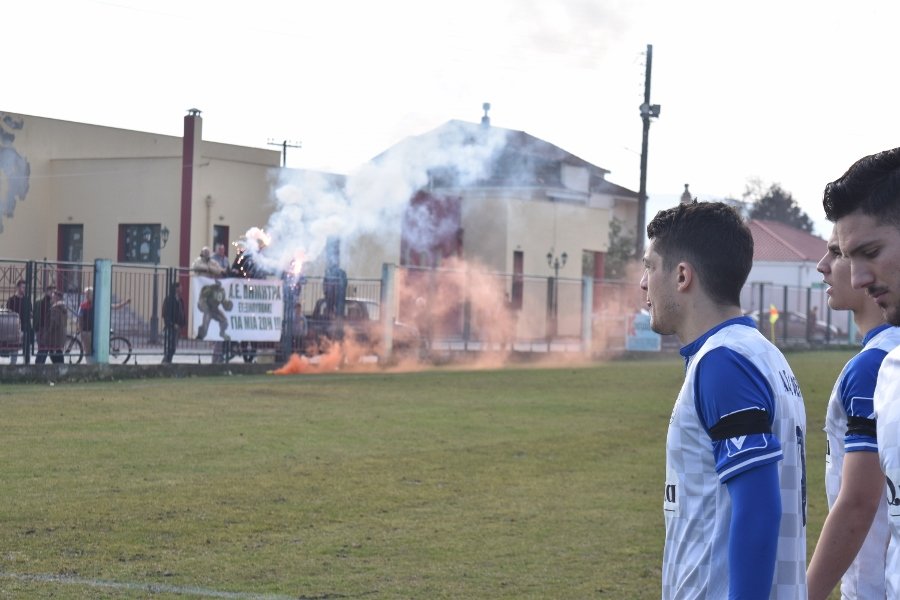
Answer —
(519, 207)
(511, 204)
(529, 199)
(76, 192)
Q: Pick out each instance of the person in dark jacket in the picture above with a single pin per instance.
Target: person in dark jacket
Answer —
(20, 304)
(41, 321)
(174, 318)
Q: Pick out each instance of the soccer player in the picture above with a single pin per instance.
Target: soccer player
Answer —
(735, 498)
(864, 205)
(854, 539)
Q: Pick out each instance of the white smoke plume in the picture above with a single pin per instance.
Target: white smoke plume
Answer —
(312, 206)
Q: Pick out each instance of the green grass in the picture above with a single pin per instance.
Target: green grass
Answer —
(516, 483)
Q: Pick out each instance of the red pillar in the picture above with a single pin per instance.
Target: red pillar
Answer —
(193, 127)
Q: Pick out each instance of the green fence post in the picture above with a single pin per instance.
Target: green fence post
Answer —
(102, 306)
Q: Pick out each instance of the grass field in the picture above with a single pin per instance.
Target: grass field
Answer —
(515, 483)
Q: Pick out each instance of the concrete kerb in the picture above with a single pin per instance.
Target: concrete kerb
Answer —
(54, 373)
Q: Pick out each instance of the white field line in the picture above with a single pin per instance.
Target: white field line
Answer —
(154, 588)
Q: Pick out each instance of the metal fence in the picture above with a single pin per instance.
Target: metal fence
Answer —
(794, 315)
(453, 310)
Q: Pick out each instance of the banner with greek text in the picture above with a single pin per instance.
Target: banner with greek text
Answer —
(241, 310)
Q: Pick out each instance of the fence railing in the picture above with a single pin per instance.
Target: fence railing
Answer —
(450, 309)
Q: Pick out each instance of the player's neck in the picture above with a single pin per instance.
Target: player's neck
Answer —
(868, 317)
(704, 317)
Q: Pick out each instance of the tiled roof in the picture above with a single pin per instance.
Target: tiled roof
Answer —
(779, 242)
(524, 160)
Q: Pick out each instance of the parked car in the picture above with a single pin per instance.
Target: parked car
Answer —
(361, 320)
(821, 332)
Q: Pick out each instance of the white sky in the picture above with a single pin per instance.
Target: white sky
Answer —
(786, 91)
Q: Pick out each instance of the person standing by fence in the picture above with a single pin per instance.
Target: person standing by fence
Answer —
(56, 328)
(41, 322)
(206, 266)
(174, 318)
(221, 258)
(86, 321)
(21, 305)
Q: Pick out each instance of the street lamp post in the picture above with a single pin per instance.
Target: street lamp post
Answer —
(555, 263)
(154, 316)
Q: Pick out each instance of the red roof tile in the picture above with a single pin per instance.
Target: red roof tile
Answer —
(779, 242)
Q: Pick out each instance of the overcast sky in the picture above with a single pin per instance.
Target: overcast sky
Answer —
(787, 92)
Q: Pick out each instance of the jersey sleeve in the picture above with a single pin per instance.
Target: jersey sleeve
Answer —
(857, 390)
(736, 405)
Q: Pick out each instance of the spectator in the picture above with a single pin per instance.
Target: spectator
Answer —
(220, 257)
(41, 321)
(20, 305)
(86, 321)
(174, 318)
(206, 266)
(56, 328)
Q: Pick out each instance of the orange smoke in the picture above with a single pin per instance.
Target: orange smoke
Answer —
(295, 365)
(300, 365)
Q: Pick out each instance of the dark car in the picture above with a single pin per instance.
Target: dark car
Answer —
(361, 321)
(797, 330)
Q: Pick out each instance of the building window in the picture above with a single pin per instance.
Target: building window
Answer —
(70, 249)
(139, 243)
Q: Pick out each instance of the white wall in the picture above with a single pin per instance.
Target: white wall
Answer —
(799, 274)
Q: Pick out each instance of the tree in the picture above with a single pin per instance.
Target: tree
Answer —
(775, 204)
(620, 251)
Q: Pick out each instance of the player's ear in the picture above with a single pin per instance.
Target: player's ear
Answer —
(684, 275)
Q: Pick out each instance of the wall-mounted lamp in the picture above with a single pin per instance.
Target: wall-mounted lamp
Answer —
(163, 237)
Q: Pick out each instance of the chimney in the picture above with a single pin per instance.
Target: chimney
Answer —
(486, 120)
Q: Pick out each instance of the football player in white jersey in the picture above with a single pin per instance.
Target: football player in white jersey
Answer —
(735, 491)
(864, 205)
(853, 541)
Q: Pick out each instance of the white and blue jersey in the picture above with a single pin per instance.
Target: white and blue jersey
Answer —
(887, 418)
(850, 427)
(739, 408)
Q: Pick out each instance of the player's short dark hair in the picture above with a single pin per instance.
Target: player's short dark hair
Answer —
(871, 185)
(713, 238)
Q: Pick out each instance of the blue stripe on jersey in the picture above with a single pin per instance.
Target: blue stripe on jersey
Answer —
(856, 390)
(727, 382)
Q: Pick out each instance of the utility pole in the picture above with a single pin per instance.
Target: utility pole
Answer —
(648, 111)
(285, 144)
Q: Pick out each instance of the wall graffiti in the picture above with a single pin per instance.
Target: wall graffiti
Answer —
(15, 172)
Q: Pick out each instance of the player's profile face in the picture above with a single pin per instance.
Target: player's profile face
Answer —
(659, 286)
(873, 250)
(835, 270)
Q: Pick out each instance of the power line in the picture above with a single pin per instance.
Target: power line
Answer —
(285, 144)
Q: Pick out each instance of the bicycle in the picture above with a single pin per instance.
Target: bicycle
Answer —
(119, 349)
